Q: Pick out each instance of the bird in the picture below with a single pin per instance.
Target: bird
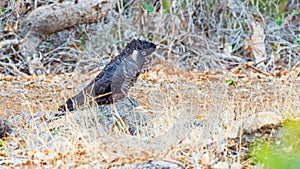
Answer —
(118, 76)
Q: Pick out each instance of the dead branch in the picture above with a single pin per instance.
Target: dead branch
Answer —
(14, 70)
(50, 19)
(8, 42)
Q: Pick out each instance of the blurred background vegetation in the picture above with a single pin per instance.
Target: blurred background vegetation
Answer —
(208, 35)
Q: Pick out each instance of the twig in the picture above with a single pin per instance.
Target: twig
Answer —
(14, 70)
(9, 42)
(260, 71)
(231, 57)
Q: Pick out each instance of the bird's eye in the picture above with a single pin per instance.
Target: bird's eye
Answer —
(144, 53)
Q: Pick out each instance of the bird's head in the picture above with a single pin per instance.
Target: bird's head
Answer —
(141, 52)
(145, 47)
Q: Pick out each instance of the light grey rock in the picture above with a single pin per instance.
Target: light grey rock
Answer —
(5, 128)
(154, 164)
(258, 120)
(109, 114)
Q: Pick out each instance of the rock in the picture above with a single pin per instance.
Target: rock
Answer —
(258, 120)
(224, 165)
(107, 115)
(5, 128)
(136, 121)
(123, 111)
(154, 164)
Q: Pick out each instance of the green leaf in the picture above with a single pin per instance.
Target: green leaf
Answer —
(296, 40)
(274, 46)
(2, 143)
(183, 4)
(278, 21)
(295, 12)
(166, 4)
(230, 82)
(2, 10)
(148, 7)
(165, 11)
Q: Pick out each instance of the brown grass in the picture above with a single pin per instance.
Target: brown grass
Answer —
(188, 84)
(170, 97)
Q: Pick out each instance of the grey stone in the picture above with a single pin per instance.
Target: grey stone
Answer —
(5, 128)
(123, 111)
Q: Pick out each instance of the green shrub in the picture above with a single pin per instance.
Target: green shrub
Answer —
(283, 151)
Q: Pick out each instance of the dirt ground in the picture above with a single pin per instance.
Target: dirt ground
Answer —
(166, 94)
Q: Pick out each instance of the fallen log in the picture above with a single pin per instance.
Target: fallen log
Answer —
(46, 20)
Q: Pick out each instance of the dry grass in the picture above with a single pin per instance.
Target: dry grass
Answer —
(205, 36)
(170, 97)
